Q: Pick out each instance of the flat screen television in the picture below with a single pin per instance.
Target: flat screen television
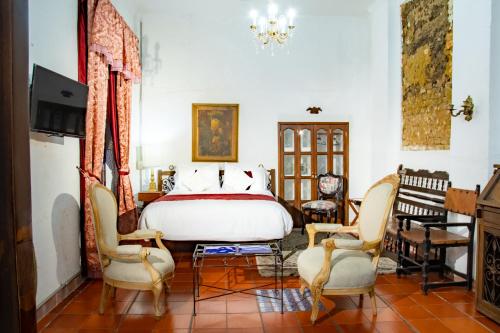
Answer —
(58, 104)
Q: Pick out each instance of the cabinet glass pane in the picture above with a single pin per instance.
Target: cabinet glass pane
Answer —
(305, 165)
(305, 189)
(305, 140)
(288, 142)
(321, 141)
(289, 165)
(289, 189)
(338, 165)
(322, 164)
(338, 140)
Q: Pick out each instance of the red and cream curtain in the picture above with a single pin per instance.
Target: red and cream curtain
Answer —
(108, 63)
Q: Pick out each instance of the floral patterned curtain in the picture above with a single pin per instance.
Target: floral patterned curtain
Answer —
(112, 47)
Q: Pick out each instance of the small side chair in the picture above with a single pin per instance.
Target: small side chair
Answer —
(127, 266)
(330, 186)
(431, 233)
(349, 266)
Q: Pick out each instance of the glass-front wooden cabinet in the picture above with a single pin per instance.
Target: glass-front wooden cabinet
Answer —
(307, 150)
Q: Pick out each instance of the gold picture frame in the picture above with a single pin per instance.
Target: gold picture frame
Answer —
(215, 133)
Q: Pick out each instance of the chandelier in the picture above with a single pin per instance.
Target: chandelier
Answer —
(273, 29)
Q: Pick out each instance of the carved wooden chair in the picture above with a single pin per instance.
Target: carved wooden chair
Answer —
(430, 232)
(127, 266)
(345, 266)
(330, 186)
(421, 192)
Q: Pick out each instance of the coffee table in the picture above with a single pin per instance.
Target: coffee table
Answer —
(232, 256)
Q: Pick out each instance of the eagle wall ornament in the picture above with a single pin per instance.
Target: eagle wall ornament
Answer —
(314, 109)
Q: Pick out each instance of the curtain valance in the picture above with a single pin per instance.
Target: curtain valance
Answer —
(113, 38)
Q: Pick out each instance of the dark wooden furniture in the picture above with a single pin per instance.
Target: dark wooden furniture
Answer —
(330, 187)
(305, 151)
(355, 204)
(421, 192)
(488, 251)
(17, 258)
(433, 233)
(147, 197)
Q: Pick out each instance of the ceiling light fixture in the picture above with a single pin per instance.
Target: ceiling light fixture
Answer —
(273, 29)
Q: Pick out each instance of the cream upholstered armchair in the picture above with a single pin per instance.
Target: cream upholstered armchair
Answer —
(349, 266)
(127, 266)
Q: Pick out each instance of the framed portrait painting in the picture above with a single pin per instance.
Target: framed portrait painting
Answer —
(215, 132)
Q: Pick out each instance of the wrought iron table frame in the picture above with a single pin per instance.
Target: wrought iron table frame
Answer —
(228, 261)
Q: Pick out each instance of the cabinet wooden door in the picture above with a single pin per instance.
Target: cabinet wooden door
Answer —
(307, 150)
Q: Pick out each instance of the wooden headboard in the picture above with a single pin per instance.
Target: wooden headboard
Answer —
(167, 177)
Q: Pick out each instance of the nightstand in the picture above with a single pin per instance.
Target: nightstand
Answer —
(148, 197)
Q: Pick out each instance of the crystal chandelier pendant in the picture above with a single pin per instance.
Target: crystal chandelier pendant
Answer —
(274, 30)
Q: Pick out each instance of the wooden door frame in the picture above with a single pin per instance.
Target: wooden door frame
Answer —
(17, 262)
(314, 124)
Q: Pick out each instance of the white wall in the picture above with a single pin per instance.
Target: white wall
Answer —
(208, 55)
(55, 190)
(54, 179)
(495, 85)
(468, 160)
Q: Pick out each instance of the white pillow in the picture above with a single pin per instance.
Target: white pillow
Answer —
(198, 178)
(235, 179)
(181, 174)
(259, 176)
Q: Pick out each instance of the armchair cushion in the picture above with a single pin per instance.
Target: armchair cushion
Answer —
(160, 259)
(348, 244)
(320, 204)
(350, 269)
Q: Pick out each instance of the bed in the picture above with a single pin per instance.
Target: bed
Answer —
(217, 215)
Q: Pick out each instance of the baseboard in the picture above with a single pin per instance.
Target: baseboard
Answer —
(59, 296)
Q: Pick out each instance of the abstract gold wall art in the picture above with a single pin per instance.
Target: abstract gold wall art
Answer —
(426, 74)
(215, 132)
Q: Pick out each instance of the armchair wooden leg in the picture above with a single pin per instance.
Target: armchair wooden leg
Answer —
(106, 289)
(425, 265)
(316, 295)
(303, 222)
(157, 289)
(374, 301)
(470, 255)
(303, 286)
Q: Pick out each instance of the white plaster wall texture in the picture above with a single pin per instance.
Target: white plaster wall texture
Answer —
(210, 57)
(468, 160)
(55, 188)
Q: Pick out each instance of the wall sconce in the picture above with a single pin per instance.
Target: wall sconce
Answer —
(314, 109)
(467, 109)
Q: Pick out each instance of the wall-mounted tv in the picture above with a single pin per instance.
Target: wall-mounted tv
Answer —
(58, 104)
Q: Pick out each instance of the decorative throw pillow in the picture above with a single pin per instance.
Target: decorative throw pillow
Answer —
(236, 180)
(199, 179)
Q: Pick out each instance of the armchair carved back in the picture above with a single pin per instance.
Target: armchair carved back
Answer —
(105, 212)
(375, 209)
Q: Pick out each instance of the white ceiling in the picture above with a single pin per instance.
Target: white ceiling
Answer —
(303, 7)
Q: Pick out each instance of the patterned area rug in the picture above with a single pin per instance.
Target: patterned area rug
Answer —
(292, 300)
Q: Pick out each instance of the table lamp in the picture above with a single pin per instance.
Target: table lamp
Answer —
(150, 156)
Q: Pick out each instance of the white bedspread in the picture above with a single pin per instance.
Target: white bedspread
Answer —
(217, 220)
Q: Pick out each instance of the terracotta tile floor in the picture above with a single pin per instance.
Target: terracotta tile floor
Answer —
(401, 308)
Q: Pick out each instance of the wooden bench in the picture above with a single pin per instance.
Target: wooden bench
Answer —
(420, 192)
